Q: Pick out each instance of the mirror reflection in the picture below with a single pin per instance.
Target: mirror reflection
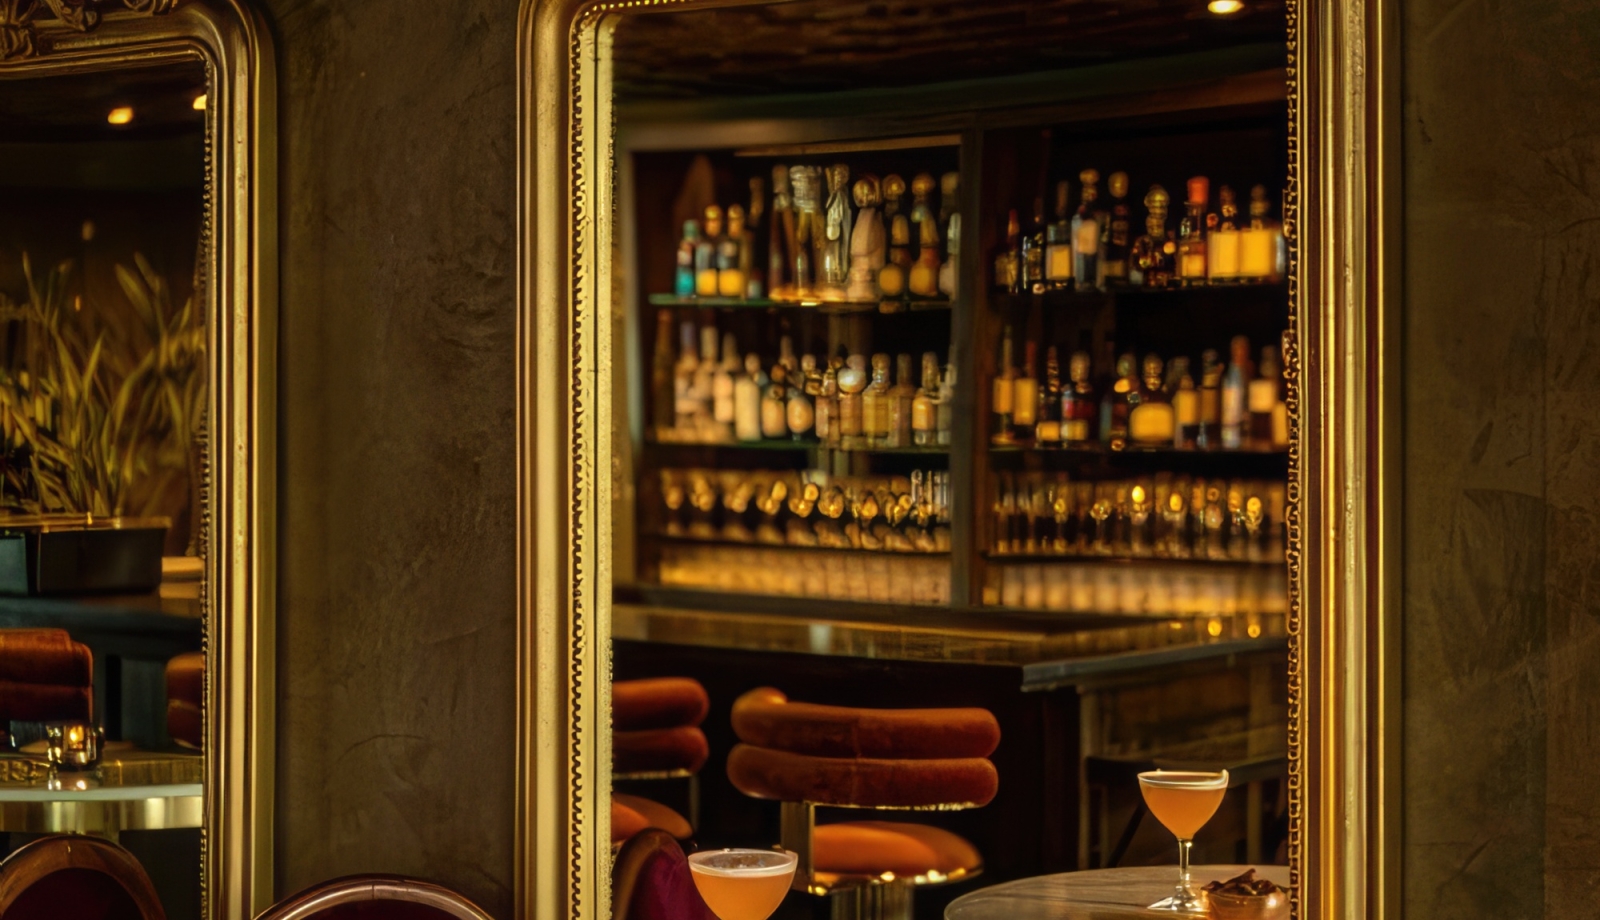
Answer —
(952, 457)
(102, 409)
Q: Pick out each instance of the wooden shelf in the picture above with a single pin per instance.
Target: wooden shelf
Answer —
(1130, 561)
(883, 308)
(776, 446)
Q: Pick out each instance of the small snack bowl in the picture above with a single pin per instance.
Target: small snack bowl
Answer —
(1246, 897)
(1274, 906)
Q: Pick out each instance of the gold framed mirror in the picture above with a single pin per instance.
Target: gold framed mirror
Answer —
(578, 339)
(141, 174)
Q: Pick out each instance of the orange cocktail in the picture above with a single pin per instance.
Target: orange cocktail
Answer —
(743, 884)
(1183, 801)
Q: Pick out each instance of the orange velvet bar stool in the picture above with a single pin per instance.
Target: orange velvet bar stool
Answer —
(656, 735)
(44, 677)
(186, 676)
(805, 755)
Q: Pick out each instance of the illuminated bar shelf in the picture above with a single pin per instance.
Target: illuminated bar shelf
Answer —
(884, 307)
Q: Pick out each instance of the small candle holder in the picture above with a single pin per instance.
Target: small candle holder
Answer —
(73, 752)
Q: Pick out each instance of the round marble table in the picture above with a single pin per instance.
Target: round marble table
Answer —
(104, 811)
(1096, 894)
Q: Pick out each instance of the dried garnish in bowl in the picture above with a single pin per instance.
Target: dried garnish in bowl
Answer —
(1246, 897)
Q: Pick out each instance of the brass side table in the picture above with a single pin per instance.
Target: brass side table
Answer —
(137, 792)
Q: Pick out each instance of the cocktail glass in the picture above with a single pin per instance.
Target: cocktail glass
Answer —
(1183, 801)
(743, 884)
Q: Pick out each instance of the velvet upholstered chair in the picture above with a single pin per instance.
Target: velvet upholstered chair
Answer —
(375, 897)
(650, 880)
(806, 756)
(44, 677)
(656, 736)
(84, 878)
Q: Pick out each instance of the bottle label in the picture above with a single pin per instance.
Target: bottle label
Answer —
(1002, 395)
(1232, 406)
(1086, 237)
(1263, 395)
(1075, 430)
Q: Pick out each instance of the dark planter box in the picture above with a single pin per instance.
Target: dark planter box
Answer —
(86, 561)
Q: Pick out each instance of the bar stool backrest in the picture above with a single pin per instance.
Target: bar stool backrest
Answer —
(44, 677)
(375, 897)
(868, 758)
(185, 689)
(651, 880)
(657, 703)
(85, 878)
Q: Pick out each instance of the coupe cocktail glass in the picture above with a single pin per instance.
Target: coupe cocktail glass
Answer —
(743, 884)
(1183, 801)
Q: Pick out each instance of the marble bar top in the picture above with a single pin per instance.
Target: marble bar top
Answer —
(1048, 651)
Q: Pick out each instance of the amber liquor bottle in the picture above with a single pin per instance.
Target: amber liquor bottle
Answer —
(1118, 234)
(1192, 234)
(1078, 406)
(1008, 258)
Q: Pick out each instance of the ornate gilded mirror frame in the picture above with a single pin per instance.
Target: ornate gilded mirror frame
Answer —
(1341, 217)
(42, 38)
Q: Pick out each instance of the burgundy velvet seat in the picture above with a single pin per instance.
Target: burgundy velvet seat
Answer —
(44, 677)
(655, 736)
(185, 688)
(650, 880)
(375, 897)
(84, 878)
(847, 757)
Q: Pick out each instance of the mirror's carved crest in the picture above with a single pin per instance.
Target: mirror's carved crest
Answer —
(22, 22)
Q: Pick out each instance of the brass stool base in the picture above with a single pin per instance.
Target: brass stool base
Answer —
(872, 902)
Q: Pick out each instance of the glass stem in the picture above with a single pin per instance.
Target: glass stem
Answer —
(1183, 867)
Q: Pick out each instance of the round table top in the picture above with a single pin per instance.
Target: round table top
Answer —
(1095, 894)
(100, 809)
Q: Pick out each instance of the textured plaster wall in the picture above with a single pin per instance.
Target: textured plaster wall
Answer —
(396, 637)
(1502, 452)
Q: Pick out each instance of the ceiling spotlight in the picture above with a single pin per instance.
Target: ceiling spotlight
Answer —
(120, 115)
(1225, 7)
(200, 103)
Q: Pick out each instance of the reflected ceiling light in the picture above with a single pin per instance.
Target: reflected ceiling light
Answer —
(120, 115)
(200, 103)
(1225, 7)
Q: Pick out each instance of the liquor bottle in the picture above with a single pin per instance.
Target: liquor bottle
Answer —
(1222, 248)
(1025, 397)
(1008, 259)
(775, 405)
(810, 237)
(1002, 402)
(1058, 242)
(1192, 234)
(730, 277)
(925, 405)
(683, 281)
(781, 230)
(704, 373)
(868, 241)
(945, 411)
(1078, 407)
(722, 384)
(787, 359)
(892, 277)
(1262, 399)
(852, 414)
(1047, 432)
(1152, 252)
(1235, 423)
(683, 380)
(1123, 397)
(828, 408)
(901, 396)
(1280, 411)
(1261, 244)
(950, 230)
(1186, 412)
(1086, 227)
(705, 254)
(1033, 246)
(755, 286)
(834, 263)
(663, 396)
(1210, 437)
(924, 272)
(747, 401)
(875, 403)
(1114, 261)
(800, 413)
(1152, 422)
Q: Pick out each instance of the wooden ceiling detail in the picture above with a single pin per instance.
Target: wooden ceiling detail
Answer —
(829, 45)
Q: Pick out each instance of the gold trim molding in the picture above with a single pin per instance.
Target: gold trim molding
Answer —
(1341, 213)
(240, 283)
